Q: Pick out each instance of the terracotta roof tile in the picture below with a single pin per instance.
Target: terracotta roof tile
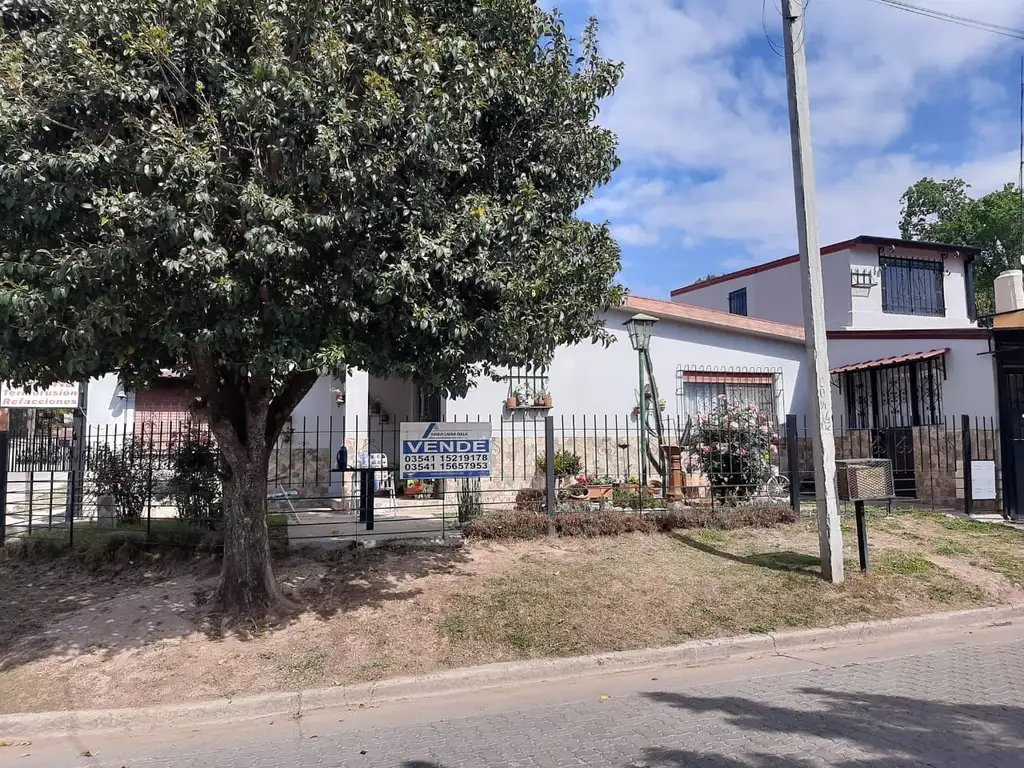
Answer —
(887, 361)
(712, 318)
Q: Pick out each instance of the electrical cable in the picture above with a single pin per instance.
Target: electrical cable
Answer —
(963, 21)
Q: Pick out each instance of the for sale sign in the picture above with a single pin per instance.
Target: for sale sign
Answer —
(55, 396)
(438, 450)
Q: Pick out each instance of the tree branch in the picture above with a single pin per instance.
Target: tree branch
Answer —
(281, 407)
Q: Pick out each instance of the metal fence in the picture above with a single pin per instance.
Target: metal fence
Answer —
(330, 486)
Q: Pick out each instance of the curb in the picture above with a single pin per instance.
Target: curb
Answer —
(489, 676)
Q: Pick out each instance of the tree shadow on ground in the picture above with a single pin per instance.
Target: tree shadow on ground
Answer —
(894, 730)
(785, 561)
(62, 606)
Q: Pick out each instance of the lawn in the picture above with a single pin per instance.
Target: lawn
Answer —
(138, 634)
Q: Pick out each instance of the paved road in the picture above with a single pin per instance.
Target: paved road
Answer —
(947, 699)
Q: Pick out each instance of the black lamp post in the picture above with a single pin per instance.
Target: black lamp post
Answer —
(639, 328)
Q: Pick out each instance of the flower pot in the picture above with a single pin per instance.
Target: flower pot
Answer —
(595, 492)
(511, 402)
(547, 401)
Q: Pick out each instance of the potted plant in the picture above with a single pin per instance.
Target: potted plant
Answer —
(512, 401)
(413, 488)
(542, 398)
(598, 487)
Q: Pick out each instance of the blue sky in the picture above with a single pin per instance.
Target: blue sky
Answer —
(706, 180)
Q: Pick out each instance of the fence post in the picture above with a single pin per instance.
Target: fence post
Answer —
(4, 438)
(793, 459)
(549, 472)
(965, 427)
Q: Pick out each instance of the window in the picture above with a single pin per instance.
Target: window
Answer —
(907, 395)
(912, 287)
(738, 302)
(702, 390)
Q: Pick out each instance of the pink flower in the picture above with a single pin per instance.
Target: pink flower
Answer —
(702, 417)
(753, 406)
(773, 449)
(733, 425)
(707, 449)
(743, 451)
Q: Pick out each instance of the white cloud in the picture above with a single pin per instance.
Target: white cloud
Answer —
(702, 121)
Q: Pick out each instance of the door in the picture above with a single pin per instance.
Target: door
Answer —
(897, 445)
(1013, 424)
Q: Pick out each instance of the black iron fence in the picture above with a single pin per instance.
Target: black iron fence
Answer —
(330, 485)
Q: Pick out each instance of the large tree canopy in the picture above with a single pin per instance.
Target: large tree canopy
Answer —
(260, 190)
(944, 212)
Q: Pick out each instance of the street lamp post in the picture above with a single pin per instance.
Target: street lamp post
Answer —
(639, 328)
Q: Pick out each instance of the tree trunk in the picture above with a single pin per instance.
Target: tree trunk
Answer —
(248, 589)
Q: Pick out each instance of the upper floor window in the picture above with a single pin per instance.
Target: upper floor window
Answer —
(738, 302)
(912, 287)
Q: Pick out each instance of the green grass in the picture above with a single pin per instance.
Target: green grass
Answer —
(902, 564)
(952, 549)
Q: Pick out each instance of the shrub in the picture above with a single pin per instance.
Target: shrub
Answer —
(630, 499)
(567, 464)
(530, 500)
(724, 518)
(733, 446)
(195, 482)
(469, 499)
(122, 472)
(507, 525)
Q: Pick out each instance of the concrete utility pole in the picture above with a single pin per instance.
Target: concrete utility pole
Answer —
(830, 537)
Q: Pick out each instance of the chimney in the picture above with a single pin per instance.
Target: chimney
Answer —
(1010, 291)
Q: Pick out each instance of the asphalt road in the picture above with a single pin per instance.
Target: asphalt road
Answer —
(941, 699)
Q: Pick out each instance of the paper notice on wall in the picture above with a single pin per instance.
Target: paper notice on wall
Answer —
(983, 479)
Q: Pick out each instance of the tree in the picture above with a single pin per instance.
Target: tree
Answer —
(942, 211)
(259, 191)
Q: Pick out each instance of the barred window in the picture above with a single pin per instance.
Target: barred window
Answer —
(912, 287)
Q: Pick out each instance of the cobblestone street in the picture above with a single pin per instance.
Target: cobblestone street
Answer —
(934, 701)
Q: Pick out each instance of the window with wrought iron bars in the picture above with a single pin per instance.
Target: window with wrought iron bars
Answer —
(912, 287)
(908, 395)
(702, 390)
(738, 302)
(528, 388)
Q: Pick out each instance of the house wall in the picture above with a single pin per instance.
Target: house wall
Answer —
(774, 294)
(970, 385)
(589, 379)
(104, 408)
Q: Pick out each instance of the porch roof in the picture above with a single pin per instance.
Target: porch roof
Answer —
(885, 362)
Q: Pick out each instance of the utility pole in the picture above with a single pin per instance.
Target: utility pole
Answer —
(830, 537)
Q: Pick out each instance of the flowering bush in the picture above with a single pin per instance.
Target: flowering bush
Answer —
(735, 447)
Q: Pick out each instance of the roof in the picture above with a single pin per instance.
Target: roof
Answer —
(712, 318)
(967, 250)
(885, 362)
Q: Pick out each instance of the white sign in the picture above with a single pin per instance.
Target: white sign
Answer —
(436, 450)
(983, 480)
(54, 396)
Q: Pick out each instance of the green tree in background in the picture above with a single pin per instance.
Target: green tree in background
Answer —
(944, 212)
(261, 191)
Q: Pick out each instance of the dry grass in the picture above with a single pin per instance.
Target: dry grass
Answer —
(77, 638)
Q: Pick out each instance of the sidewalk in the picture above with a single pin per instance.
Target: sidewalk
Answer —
(942, 698)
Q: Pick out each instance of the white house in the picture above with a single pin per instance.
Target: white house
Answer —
(903, 342)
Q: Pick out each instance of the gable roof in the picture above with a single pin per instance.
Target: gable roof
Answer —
(968, 251)
(711, 318)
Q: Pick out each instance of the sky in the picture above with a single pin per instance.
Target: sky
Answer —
(706, 182)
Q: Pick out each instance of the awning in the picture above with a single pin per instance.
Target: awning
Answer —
(887, 362)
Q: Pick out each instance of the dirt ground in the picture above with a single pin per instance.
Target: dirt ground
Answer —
(72, 637)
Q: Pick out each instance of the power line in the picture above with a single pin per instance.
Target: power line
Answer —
(963, 21)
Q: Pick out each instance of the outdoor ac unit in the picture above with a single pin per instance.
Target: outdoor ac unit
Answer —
(864, 479)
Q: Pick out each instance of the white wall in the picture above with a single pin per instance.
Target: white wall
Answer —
(589, 380)
(775, 293)
(105, 408)
(970, 385)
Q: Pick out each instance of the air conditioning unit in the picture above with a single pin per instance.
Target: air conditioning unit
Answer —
(864, 479)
